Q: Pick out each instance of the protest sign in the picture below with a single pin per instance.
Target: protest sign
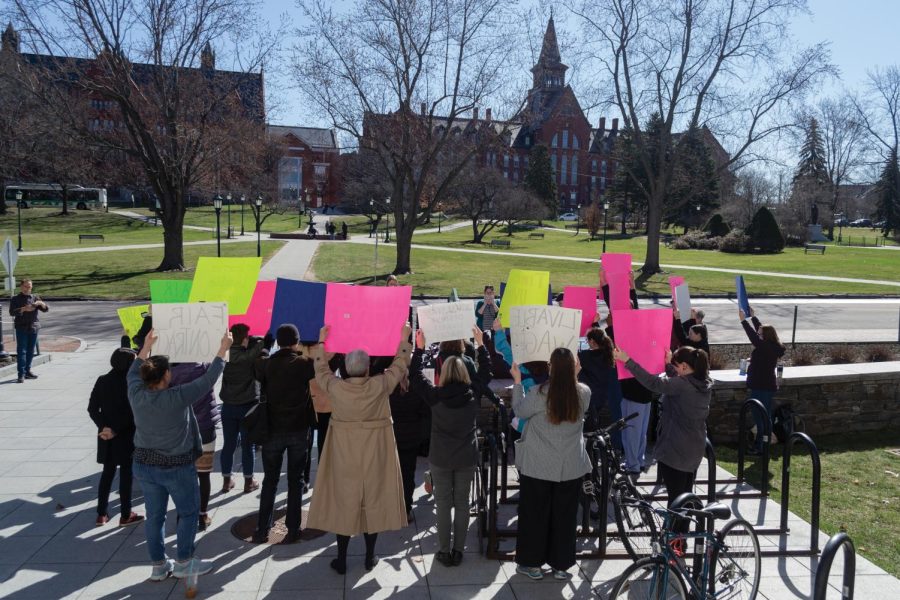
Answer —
(190, 332)
(301, 303)
(229, 280)
(523, 288)
(644, 335)
(450, 321)
(132, 318)
(584, 299)
(742, 298)
(259, 313)
(683, 302)
(619, 290)
(674, 282)
(612, 262)
(169, 291)
(367, 318)
(538, 330)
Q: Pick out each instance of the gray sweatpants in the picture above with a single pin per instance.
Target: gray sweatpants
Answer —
(451, 490)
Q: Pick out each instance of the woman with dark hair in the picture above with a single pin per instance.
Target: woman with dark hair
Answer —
(598, 372)
(689, 333)
(167, 442)
(761, 380)
(551, 459)
(453, 451)
(681, 439)
(111, 413)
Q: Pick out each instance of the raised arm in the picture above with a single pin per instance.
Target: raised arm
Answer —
(324, 374)
(654, 383)
(417, 380)
(400, 365)
(484, 360)
(749, 329)
(678, 330)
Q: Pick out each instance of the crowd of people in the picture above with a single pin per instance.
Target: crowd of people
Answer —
(373, 417)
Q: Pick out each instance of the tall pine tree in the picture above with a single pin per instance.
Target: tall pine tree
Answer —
(811, 180)
(540, 179)
(888, 201)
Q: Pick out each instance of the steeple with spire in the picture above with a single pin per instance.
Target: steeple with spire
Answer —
(9, 40)
(549, 72)
(207, 58)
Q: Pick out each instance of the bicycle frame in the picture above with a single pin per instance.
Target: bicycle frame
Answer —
(699, 584)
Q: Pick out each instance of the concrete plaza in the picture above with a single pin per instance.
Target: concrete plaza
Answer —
(50, 547)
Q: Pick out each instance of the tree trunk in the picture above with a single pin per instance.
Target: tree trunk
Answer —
(654, 219)
(403, 264)
(65, 201)
(173, 236)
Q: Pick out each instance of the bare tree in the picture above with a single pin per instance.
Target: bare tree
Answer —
(752, 191)
(483, 196)
(400, 78)
(689, 61)
(170, 111)
(879, 109)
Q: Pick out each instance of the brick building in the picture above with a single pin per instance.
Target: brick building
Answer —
(309, 165)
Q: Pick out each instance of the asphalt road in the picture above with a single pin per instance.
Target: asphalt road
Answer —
(817, 320)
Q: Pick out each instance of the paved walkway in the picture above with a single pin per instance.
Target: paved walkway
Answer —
(50, 548)
(154, 221)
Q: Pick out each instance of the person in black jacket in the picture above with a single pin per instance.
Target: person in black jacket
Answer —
(767, 351)
(598, 372)
(454, 451)
(409, 413)
(687, 334)
(111, 413)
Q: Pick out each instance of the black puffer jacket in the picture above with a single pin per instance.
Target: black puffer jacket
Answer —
(410, 415)
(763, 359)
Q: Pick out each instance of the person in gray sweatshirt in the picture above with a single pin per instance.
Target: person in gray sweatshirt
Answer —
(681, 433)
(166, 444)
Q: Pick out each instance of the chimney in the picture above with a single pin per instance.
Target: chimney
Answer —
(475, 114)
(615, 125)
(487, 114)
(422, 108)
(602, 125)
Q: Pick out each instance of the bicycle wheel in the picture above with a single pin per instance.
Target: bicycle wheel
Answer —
(649, 579)
(636, 524)
(735, 568)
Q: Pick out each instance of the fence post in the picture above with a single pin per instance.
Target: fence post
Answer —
(794, 332)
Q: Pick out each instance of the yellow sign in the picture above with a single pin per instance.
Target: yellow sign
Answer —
(230, 280)
(523, 288)
(131, 318)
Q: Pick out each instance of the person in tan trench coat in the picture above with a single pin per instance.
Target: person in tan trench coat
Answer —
(358, 485)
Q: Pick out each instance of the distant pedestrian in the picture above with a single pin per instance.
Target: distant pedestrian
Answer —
(344, 229)
(486, 309)
(24, 308)
(111, 413)
(167, 442)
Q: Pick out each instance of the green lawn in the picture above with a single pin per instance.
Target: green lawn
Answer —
(205, 216)
(46, 229)
(436, 272)
(860, 490)
(117, 275)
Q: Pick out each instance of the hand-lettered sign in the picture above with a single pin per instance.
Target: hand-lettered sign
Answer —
(132, 318)
(644, 335)
(683, 302)
(538, 330)
(229, 280)
(301, 303)
(168, 291)
(259, 313)
(366, 318)
(583, 298)
(447, 321)
(523, 288)
(190, 332)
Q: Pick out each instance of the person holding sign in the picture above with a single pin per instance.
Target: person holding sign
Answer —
(167, 442)
(761, 380)
(358, 485)
(681, 442)
(551, 459)
(453, 451)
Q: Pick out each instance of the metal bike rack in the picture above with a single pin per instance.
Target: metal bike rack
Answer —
(813, 549)
(710, 482)
(755, 405)
(820, 587)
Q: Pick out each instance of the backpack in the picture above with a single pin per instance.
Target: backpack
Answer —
(785, 422)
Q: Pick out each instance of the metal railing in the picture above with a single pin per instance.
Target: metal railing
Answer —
(820, 587)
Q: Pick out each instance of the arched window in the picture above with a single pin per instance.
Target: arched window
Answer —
(565, 138)
(575, 141)
(563, 169)
(575, 170)
(554, 143)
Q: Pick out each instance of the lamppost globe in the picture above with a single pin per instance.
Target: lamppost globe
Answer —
(387, 223)
(258, 203)
(606, 222)
(242, 199)
(217, 205)
(19, 216)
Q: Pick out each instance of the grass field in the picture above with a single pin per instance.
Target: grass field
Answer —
(205, 216)
(117, 275)
(860, 490)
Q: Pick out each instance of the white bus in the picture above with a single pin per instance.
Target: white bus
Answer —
(35, 194)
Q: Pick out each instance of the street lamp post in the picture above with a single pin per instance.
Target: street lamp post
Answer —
(440, 215)
(228, 201)
(258, 210)
(217, 205)
(242, 200)
(375, 231)
(19, 216)
(578, 220)
(387, 223)
(301, 208)
(605, 222)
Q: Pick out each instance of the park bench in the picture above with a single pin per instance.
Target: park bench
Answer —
(500, 243)
(667, 239)
(89, 236)
(820, 248)
(536, 234)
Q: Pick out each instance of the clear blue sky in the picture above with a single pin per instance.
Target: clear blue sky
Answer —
(862, 34)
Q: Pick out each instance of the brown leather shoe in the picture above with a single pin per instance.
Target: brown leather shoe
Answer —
(250, 485)
(130, 519)
(227, 484)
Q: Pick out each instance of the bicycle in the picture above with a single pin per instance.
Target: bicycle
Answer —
(637, 525)
(728, 565)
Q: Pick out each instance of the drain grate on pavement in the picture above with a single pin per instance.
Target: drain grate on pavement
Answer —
(244, 527)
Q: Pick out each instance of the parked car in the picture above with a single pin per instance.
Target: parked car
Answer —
(879, 224)
(841, 222)
(568, 217)
(862, 223)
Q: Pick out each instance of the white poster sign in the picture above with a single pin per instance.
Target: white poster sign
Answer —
(190, 332)
(449, 321)
(538, 330)
(683, 301)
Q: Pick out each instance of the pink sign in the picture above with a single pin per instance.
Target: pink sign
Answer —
(615, 263)
(674, 282)
(366, 318)
(644, 335)
(583, 298)
(619, 291)
(259, 312)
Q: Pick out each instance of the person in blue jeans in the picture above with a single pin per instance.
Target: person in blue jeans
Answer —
(24, 307)
(167, 442)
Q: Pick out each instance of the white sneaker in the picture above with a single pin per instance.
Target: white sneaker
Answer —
(162, 571)
(194, 566)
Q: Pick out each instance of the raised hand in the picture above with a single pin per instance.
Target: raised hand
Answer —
(420, 339)
(516, 373)
(323, 333)
(620, 355)
(478, 335)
